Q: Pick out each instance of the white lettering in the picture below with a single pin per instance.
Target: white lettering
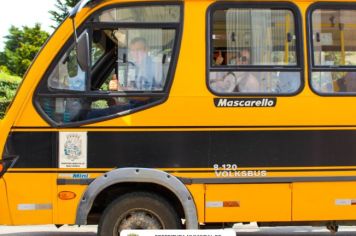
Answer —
(225, 174)
(222, 102)
(265, 102)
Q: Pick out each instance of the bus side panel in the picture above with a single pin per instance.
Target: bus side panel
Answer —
(30, 197)
(198, 193)
(67, 209)
(324, 201)
(248, 202)
(4, 208)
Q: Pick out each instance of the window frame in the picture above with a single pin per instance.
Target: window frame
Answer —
(299, 67)
(145, 26)
(310, 44)
(42, 90)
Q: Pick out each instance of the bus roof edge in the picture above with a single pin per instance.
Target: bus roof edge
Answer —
(80, 5)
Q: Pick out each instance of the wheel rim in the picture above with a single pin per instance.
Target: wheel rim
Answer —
(138, 219)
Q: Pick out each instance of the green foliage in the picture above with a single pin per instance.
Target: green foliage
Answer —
(62, 10)
(8, 88)
(4, 69)
(21, 46)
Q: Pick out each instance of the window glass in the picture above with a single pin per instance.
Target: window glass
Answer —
(254, 82)
(334, 47)
(75, 109)
(110, 81)
(97, 52)
(98, 46)
(140, 63)
(254, 37)
(245, 41)
(142, 14)
(334, 35)
(129, 67)
(334, 81)
(67, 75)
(144, 58)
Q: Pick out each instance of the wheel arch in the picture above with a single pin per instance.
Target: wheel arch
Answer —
(138, 175)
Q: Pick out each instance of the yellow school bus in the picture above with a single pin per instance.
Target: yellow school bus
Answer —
(186, 114)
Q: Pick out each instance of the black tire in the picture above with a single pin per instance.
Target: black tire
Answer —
(140, 210)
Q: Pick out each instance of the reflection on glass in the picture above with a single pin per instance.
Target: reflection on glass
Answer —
(68, 110)
(334, 35)
(254, 82)
(67, 75)
(97, 52)
(254, 37)
(160, 14)
(144, 58)
(334, 82)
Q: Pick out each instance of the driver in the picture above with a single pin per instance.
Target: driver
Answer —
(143, 74)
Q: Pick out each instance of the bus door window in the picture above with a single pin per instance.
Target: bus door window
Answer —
(68, 75)
(145, 58)
(131, 67)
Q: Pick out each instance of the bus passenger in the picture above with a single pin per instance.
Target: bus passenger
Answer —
(246, 81)
(219, 59)
(236, 82)
(244, 57)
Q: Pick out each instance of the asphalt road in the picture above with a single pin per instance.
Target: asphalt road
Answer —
(242, 230)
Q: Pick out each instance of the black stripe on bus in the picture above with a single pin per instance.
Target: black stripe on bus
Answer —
(74, 181)
(194, 149)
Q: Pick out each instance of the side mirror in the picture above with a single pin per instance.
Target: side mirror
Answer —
(83, 51)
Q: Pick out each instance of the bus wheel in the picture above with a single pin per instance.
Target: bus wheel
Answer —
(141, 210)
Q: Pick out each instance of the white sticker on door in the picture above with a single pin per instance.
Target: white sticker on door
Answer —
(73, 149)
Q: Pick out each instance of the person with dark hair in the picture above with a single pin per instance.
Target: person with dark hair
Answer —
(236, 82)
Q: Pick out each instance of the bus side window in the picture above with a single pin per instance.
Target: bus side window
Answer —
(255, 49)
(333, 69)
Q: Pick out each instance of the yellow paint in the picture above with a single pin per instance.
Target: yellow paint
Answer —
(189, 104)
(5, 213)
(30, 189)
(67, 209)
(198, 193)
(316, 201)
(258, 202)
